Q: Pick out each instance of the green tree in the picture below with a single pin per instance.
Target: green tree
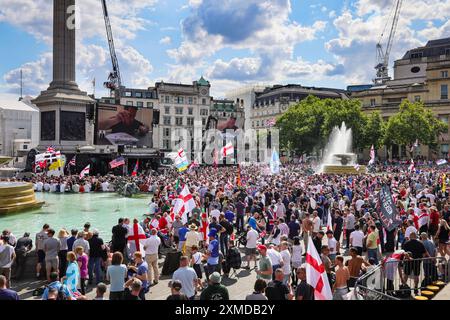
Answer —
(414, 122)
(374, 131)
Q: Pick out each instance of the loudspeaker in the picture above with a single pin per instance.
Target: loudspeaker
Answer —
(155, 116)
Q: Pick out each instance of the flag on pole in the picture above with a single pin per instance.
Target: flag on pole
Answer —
(411, 166)
(184, 204)
(372, 156)
(441, 162)
(50, 149)
(271, 122)
(181, 161)
(73, 162)
(227, 150)
(85, 171)
(135, 170)
(415, 145)
(356, 166)
(329, 222)
(316, 276)
(120, 161)
(275, 163)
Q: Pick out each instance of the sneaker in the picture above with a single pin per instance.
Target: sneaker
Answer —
(37, 275)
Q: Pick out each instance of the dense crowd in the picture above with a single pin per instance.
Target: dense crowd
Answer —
(261, 223)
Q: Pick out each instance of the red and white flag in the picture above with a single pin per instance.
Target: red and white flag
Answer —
(135, 236)
(85, 171)
(227, 150)
(316, 276)
(184, 204)
(411, 166)
(423, 218)
(329, 221)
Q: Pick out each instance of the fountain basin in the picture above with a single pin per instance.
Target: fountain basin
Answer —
(17, 197)
(340, 169)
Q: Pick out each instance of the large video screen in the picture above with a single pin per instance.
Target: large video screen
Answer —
(124, 125)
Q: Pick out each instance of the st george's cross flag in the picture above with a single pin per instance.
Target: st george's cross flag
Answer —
(329, 222)
(135, 236)
(411, 166)
(135, 170)
(316, 276)
(227, 150)
(85, 171)
(73, 161)
(184, 204)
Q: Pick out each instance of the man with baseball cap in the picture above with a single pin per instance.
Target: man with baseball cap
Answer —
(213, 253)
(265, 265)
(215, 290)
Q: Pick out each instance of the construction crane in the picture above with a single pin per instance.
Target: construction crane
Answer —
(114, 79)
(382, 57)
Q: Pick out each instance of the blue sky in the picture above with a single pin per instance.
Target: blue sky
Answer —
(231, 42)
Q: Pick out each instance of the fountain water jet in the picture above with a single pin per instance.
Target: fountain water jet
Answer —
(338, 157)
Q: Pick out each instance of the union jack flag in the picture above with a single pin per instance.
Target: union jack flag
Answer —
(271, 122)
(51, 149)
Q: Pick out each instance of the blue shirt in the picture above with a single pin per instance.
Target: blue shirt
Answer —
(182, 233)
(214, 249)
(142, 269)
(56, 285)
(117, 276)
(252, 223)
(70, 242)
(6, 294)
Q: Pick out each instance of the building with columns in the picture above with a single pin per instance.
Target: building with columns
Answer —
(422, 74)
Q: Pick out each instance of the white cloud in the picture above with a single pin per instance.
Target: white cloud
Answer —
(165, 40)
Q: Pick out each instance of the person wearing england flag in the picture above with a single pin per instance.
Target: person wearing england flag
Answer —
(316, 275)
(135, 237)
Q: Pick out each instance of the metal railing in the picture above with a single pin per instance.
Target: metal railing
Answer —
(395, 280)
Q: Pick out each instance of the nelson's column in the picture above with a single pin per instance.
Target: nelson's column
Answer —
(66, 113)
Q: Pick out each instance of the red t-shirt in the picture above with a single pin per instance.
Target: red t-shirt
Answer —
(434, 217)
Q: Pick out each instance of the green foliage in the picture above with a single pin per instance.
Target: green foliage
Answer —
(309, 123)
(374, 131)
(413, 121)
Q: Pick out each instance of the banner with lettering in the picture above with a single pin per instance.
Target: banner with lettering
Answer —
(387, 209)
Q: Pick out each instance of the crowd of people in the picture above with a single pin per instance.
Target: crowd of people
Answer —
(248, 219)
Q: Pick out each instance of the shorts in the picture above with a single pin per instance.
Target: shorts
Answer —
(412, 268)
(432, 230)
(41, 256)
(198, 270)
(52, 263)
(250, 251)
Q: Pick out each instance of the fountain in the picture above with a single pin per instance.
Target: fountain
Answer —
(338, 157)
(17, 196)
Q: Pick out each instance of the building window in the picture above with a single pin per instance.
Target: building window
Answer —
(203, 121)
(190, 100)
(444, 74)
(257, 123)
(444, 91)
(149, 95)
(139, 104)
(127, 93)
(138, 94)
(149, 104)
(416, 98)
(179, 100)
(166, 121)
(444, 119)
(195, 100)
(190, 121)
(166, 110)
(204, 112)
(166, 144)
(204, 101)
(253, 124)
(178, 110)
(166, 132)
(167, 99)
(178, 121)
(129, 103)
(190, 111)
(372, 102)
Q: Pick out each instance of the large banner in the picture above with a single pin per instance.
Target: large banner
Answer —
(124, 125)
(388, 211)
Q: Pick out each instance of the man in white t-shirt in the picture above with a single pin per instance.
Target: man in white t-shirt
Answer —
(356, 239)
(215, 213)
(275, 258)
(359, 203)
(410, 229)
(39, 186)
(316, 223)
(151, 246)
(105, 186)
(286, 256)
(187, 276)
(250, 247)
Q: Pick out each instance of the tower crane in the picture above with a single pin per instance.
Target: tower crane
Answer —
(114, 79)
(382, 56)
